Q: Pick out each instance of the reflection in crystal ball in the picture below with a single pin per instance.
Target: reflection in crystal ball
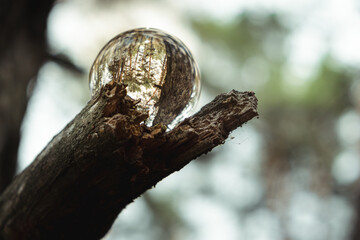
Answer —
(158, 69)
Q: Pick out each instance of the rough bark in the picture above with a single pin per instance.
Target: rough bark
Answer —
(22, 52)
(104, 159)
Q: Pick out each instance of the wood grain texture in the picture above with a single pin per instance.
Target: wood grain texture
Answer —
(104, 159)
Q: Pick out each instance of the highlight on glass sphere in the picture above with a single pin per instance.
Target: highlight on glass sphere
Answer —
(157, 68)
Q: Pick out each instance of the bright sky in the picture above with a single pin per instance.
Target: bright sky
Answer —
(76, 27)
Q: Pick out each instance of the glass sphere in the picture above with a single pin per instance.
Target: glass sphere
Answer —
(157, 68)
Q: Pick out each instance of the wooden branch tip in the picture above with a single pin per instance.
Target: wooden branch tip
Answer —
(104, 159)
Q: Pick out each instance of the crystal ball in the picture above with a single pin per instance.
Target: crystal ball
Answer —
(158, 69)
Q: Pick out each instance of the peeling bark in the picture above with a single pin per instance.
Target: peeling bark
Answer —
(104, 159)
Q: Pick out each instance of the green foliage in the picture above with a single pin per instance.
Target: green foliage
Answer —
(330, 86)
(264, 36)
(247, 35)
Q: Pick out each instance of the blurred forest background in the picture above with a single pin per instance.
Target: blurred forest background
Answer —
(292, 174)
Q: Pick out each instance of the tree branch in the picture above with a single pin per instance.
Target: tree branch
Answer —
(104, 159)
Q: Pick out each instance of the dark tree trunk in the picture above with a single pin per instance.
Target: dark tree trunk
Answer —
(22, 52)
